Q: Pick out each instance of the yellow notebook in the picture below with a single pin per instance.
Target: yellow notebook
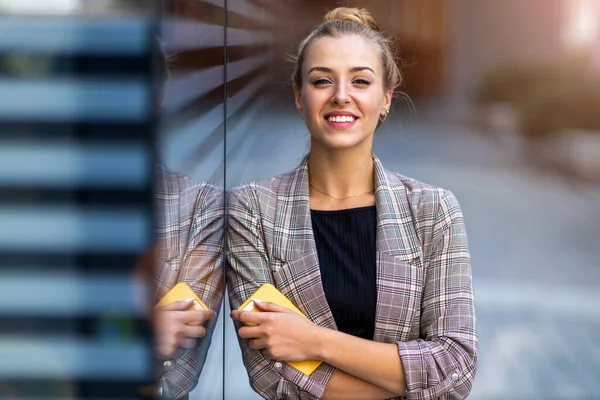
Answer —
(269, 293)
(183, 291)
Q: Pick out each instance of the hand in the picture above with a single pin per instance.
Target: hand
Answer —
(173, 331)
(280, 333)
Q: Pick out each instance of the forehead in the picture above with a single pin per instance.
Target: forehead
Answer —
(342, 53)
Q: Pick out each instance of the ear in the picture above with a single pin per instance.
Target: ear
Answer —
(297, 98)
(387, 99)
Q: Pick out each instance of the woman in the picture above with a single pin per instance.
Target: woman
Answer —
(378, 262)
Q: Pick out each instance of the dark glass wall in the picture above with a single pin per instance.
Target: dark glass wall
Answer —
(192, 143)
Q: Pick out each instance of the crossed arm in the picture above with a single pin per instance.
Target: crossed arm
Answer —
(372, 370)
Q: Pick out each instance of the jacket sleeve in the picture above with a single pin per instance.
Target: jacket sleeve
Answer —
(202, 269)
(443, 363)
(248, 269)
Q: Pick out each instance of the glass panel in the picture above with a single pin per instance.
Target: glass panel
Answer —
(191, 149)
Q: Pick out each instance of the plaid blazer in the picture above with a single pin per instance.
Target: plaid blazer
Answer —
(424, 288)
(190, 232)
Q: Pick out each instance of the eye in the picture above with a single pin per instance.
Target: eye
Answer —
(321, 82)
(362, 81)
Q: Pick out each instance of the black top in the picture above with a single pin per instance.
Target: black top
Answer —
(345, 241)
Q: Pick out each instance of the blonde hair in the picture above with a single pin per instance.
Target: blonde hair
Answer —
(352, 21)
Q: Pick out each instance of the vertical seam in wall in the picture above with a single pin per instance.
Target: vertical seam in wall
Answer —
(225, 87)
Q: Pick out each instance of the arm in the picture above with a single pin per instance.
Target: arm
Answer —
(202, 209)
(373, 362)
(249, 267)
(343, 386)
(444, 361)
(280, 334)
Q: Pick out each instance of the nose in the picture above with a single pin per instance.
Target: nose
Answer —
(341, 96)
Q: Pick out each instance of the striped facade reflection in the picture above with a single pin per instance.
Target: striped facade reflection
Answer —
(77, 117)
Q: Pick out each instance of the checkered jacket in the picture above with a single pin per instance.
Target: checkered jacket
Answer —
(190, 232)
(424, 288)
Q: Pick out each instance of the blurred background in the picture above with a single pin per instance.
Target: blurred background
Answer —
(505, 113)
(77, 156)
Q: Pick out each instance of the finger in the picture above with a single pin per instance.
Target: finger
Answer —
(187, 343)
(256, 344)
(235, 315)
(176, 306)
(249, 332)
(194, 331)
(197, 316)
(253, 317)
(269, 307)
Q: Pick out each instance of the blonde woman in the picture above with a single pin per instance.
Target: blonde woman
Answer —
(377, 261)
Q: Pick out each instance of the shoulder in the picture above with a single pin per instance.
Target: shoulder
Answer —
(175, 191)
(258, 192)
(421, 194)
(433, 208)
(169, 182)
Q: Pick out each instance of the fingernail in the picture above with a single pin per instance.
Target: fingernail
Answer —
(257, 301)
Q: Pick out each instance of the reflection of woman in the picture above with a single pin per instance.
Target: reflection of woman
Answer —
(377, 261)
(189, 219)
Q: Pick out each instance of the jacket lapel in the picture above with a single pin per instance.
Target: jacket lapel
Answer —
(399, 272)
(295, 262)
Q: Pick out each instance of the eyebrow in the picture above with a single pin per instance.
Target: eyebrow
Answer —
(329, 70)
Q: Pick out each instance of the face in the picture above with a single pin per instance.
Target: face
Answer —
(342, 95)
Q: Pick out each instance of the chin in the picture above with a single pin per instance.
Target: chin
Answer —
(339, 141)
(329, 138)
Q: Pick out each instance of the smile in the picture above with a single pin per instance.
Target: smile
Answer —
(338, 119)
(341, 122)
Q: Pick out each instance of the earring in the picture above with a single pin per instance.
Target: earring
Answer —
(384, 116)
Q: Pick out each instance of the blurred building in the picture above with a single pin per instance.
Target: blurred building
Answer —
(77, 139)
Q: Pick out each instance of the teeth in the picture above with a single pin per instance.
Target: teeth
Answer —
(341, 119)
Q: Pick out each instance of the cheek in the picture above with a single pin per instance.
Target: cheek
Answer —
(314, 100)
(374, 107)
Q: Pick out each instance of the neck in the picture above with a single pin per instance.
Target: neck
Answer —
(341, 173)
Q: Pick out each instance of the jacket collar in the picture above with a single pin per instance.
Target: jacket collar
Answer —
(396, 234)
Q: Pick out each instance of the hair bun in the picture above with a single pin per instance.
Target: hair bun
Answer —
(359, 15)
